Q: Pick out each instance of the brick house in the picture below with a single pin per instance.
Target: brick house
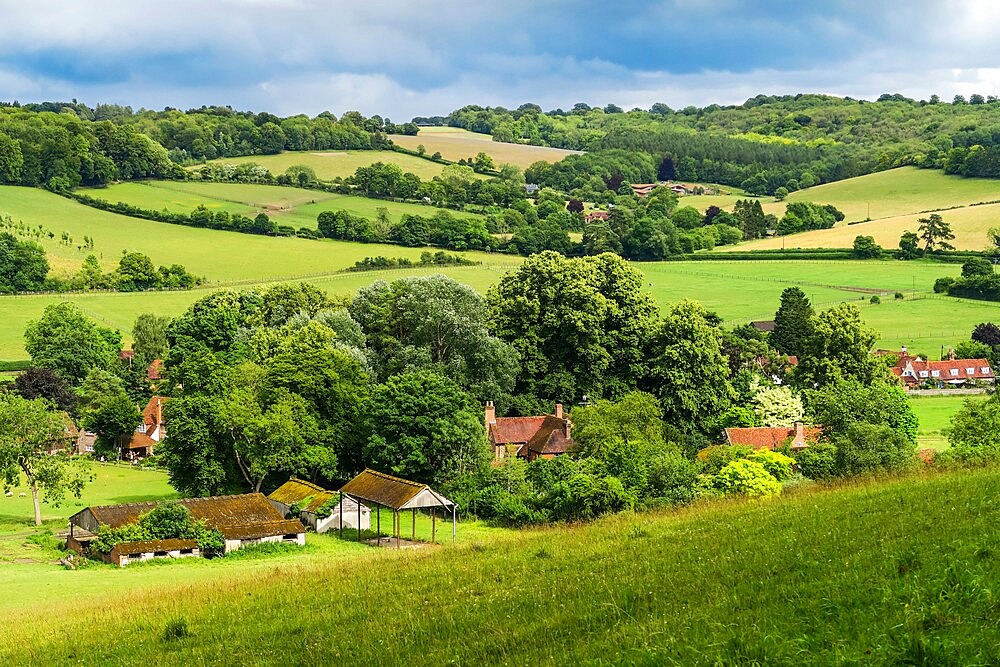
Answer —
(151, 431)
(798, 436)
(530, 438)
(914, 371)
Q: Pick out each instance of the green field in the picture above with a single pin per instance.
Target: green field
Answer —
(332, 164)
(286, 206)
(890, 572)
(455, 144)
(935, 414)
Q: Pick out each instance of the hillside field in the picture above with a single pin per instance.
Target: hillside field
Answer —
(935, 414)
(455, 144)
(285, 205)
(333, 164)
(871, 572)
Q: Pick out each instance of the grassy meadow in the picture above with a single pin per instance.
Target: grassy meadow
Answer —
(285, 205)
(455, 144)
(935, 414)
(332, 164)
(872, 572)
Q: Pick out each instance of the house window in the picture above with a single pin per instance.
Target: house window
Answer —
(954, 372)
(935, 373)
(923, 374)
(985, 370)
(970, 371)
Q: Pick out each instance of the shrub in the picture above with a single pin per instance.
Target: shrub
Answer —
(776, 464)
(898, 296)
(585, 496)
(875, 299)
(818, 461)
(747, 478)
(176, 629)
(717, 457)
(871, 448)
(672, 478)
(941, 285)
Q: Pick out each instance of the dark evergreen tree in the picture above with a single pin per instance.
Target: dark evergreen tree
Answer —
(792, 325)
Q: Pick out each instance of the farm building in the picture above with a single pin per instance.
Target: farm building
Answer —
(243, 520)
(544, 436)
(399, 495)
(765, 437)
(318, 508)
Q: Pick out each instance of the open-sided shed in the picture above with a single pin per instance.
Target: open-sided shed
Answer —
(399, 495)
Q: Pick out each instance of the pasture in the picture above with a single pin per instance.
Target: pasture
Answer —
(285, 205)
(819, 576)
(455, 144)
(329, 165)
(935, 414)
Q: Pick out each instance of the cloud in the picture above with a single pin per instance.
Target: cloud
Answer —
(400, 59)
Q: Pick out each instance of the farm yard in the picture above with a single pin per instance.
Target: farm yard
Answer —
(456, 144)
(329, 165)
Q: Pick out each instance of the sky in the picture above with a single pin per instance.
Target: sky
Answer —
(401, 58)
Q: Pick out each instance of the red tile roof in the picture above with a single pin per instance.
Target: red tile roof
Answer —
(155, 370)
(515, 430)
(149, 412)
(771, 437)
(914, 370)
(551, 437)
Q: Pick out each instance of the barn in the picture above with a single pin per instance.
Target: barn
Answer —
(319, 508)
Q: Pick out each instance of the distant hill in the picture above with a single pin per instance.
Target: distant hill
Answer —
(457, 144)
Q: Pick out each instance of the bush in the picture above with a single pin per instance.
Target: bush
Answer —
(672, 478)
(176, 629)
(898, 296)
(875, 299)
(585, 496)
(716, 457)
(776, 464)
(747, 478)
(872, 448)
(818, 461)
(941, 285)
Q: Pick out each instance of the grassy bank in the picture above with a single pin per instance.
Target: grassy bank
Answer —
(888, 572)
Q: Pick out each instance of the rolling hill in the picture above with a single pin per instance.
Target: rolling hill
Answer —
(332, 164)
(457, 144)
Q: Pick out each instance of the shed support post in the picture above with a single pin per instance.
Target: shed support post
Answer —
(359, 520)
(413, 527)
(378, 526)
(433, 525)
(340, 513)
(398, 531)
(454, 523)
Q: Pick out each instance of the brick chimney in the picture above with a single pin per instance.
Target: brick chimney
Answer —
(159, 410)
(559, 412)
(491, 414)
(951, 354)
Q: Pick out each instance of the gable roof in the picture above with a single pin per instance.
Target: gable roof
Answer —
(910, 368)
(761, 437)
(297, 490)
(241, 517)
(149, 415)
(515, 430)
(155, 370)
(551, 437)
(394, 492)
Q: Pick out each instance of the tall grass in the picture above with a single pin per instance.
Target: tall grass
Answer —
(878, 572)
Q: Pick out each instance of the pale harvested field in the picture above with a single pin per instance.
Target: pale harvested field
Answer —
(455, 144)
(969, 224)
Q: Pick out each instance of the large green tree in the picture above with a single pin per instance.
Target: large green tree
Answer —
(68, 342)
(23, 266)
(149, 339)
(424, 427)
(29, 429)
(108, 411)
(580, 326)
(792, 322)
(935, 233)
(839, 347)
(435, 322)
(882, 402)
(687, 370)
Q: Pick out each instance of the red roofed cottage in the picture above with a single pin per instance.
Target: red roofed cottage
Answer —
(545, 436)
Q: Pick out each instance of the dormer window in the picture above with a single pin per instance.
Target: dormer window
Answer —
(935, 373)
(985, 370)
(970, 371)
(954, 372)
(923, 374)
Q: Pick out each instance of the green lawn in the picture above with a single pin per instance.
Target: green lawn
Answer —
(286, 206)
(935, 414)
(875, 572)
(331, 164)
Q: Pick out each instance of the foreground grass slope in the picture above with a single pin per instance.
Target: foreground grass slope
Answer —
(456, 144)
(889, 572)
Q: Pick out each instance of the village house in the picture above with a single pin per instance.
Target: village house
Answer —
(545, 436)
(242, 519)
(595, 215)
(798, 436)
(150, 432)
(643, 189)
(318, 508)
(914, 371)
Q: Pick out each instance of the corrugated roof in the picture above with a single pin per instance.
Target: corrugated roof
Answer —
(394, 492)
(296, 490)
(247, 516)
